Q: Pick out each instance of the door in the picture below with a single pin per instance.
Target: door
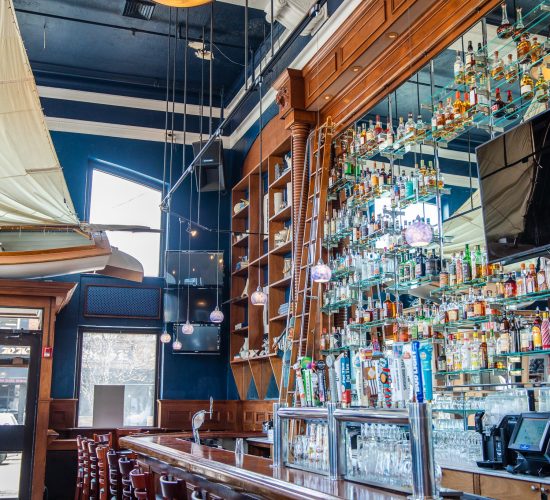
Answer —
(19, 369)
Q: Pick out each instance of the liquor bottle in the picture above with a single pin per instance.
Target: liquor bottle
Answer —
(524, 49)
(378, 130)
(537, 52)
(510, 287)
(389, 135)
(537, 332)
(511, 71)
(442, 362)
(510, 110)
(541, 277)
(420, 129)
(521, 280)
(420, 267)
(400, 129)
(467, 265)
(491, 350)
(526, 339)
(458, 110)
(477, 264)
(483, 352)
(410, 128)
(505, 28)
(541, 88)
(519, 28)
(467, 111)
(449, 115)
(481, 58)
(459, 69)
(503, 342)
(466, 353)
(497, 68)
(470, 67)
(453, 271)
(498, 105)
(531, 280)
(388, 307)
(545, 329)
(440, 118)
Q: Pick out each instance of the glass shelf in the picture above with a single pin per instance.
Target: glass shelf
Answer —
(464, 323)
(361, 327)
(544, 352)
(410, 285)
(370, 282)
(338, 350)
(337, 274)
(519, 299)
(450, 290)
(457, 411)
(471, 372)
(336, 306)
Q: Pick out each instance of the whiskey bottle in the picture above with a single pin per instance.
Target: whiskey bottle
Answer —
(505, 28)
(524, 49)
(459, 69)
(541, 88)
(497, 109)
(537, 333)
(510, 110)
(470, 68)
(458, 110)
(537, 52)
(511, 71)
(497, 68)
(526, 84)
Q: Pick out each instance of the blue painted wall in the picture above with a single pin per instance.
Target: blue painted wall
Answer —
(182, 377)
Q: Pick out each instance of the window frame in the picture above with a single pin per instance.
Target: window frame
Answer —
(124, 331)
(131, 176)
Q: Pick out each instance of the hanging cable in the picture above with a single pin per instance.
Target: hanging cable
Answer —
(200, 126)
(246, 45)
(185, 58)
(178, 282)
(167, 104)
(173, 99)
(211, 66)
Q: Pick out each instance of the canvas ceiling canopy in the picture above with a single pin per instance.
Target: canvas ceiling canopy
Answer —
(32, 187)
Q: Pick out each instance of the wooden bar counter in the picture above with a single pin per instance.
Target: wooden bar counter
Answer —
(170, 453)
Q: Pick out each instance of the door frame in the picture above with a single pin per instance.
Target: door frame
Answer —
(34, 341)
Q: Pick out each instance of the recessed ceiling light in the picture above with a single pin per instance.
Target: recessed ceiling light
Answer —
(328, 97)
(392, 35)
(356, 69)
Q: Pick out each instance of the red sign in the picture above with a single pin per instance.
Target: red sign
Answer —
(47, 352)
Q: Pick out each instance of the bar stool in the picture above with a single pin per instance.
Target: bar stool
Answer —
(173, 488)
(102, 472)
(85, 468)
(143, 484)
(79, 470)
(94, 479)
(115, 483)
(126, 466)
(106, 439)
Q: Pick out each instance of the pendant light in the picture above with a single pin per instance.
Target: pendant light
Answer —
(165, 337)
(187, 328)
(216, 316)
(419, 233)
(259, 297)
(176, 345)
(183, 3)
(320, 272)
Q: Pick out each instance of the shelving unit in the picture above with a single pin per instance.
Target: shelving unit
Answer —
(266, 252)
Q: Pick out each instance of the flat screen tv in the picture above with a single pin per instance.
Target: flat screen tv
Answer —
(202, 301)
(204, 339)
(196, 267)
(514, 175)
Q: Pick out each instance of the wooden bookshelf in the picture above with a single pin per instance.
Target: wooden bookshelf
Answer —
(266, 245)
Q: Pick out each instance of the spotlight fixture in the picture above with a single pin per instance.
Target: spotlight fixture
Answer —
(419, 233)
(258, 298)
(392, 35)
(356, 69)
(321, 273)
(165, 337)
(328, 97)
(191, 231)
(216, 316)
(187, 328)
(183, 3)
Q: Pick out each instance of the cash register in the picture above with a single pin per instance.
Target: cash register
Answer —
(494, 441)
(531, 442)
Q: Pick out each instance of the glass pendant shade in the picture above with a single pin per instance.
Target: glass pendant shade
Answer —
(216, 316)
(419, 233)
(183, 3)
(177, 345)
(258, 298)
(165, 337)
(187, 329)
(321, 273)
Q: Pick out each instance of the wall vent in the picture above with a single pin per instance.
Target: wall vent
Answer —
(139, 9)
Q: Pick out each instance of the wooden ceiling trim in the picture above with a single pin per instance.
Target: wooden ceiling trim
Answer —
(408, 54)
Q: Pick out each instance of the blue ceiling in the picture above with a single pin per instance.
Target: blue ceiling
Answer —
(89, 44)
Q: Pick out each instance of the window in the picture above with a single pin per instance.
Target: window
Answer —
(115, 200)
(119, 359)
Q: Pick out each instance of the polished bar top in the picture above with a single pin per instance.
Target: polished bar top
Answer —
(474, 469)
(253, 474)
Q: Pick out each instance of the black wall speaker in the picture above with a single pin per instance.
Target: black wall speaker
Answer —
(209, 168)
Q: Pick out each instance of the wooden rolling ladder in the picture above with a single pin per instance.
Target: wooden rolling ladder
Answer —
(304, 318)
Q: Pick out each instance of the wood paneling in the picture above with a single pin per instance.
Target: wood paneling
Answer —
(62, 413)
(254, 413)
(416, 44)
(457, 480)
(177, 414)
(319, 75)
(50, 297)
(509, 489)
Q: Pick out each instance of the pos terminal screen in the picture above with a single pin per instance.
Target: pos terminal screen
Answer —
(530, 434)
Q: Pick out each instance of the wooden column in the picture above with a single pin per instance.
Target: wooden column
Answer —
(50, 297)
(290, 98)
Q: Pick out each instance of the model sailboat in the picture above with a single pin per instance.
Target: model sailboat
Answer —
(40, 234)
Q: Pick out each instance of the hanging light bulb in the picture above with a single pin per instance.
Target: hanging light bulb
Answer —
(419, 233)
(216, 316)
(187, 329)
(321, 273)
(176, 346)
(258, 298)
(165, 337)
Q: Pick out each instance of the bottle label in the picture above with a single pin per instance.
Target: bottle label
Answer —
(526, 89)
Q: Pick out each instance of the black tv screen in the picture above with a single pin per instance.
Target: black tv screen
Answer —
(202, 302)
(514, 175)
(199, 268)
(204, 339)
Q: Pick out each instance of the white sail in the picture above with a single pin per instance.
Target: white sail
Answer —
(33, 190)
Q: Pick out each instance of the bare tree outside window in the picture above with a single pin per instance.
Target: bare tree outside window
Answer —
(113, 358)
